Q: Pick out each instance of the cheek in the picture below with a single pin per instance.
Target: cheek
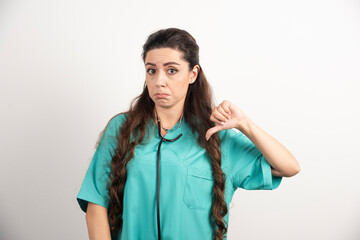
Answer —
(149, 88)
(182, 88)
(149, 85)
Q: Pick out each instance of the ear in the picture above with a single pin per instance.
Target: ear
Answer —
(194, 73)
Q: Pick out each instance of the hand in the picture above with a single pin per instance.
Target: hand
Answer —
(226, 115)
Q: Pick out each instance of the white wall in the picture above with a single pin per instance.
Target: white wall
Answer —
(66, 67)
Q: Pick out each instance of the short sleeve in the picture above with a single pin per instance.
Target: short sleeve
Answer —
(94, 186)
(248, 167)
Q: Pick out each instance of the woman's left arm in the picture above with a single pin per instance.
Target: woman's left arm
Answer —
(227, 115)
(282, 162)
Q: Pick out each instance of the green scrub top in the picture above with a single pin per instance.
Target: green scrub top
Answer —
(185, 184)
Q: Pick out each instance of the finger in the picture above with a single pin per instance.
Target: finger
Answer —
(216, 121)
(227, 107)
(212, 130)
(231, 106)
(220, 114)
(223, 111)
(216, 117)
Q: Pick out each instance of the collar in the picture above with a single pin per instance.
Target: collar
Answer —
(173, 132)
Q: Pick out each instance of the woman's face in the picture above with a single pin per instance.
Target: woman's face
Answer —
(168, 74)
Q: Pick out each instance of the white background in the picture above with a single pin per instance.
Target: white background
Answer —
(66, 67)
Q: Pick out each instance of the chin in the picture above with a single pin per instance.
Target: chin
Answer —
(162, 104)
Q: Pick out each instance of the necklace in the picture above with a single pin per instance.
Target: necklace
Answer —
(167, 129)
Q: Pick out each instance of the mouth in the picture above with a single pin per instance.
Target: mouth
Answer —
(161, 95)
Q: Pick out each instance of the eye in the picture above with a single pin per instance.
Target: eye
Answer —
(172, 70)
(150, 71)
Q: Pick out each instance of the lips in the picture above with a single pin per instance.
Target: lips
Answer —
(161, 95)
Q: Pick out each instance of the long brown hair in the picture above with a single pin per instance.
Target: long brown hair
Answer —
(197, 110)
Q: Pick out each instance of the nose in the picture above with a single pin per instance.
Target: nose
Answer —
(161, 79)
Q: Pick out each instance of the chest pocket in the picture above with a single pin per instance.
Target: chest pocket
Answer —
(198, 188)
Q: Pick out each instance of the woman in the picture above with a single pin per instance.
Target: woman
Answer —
(168, 167)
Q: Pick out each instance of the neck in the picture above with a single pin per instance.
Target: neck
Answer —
(168, 117)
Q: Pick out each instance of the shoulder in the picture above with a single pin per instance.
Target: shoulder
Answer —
(119, 117)
(117, 120)
(114, 123)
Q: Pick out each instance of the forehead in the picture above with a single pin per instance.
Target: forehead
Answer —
(163, 55)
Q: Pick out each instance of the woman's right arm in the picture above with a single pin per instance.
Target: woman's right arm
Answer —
(97, 222)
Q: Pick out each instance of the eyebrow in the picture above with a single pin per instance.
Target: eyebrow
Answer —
(165, 64)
